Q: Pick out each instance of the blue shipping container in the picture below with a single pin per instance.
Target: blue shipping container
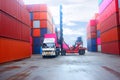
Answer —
(92, 45)
(98, 33)
(31, 16)
(43, 31)
(37, 41)
(37, 50)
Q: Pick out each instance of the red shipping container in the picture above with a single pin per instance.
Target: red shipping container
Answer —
(25, 34)
(119, 16)
(40, 16)
(13, 50)
(91, 35)
(37, 7)
(98, 26)
(12, 28)
(36, 15)
(43, 24)
(111, 48)
(12, 10)
(111, 35)
(36, 33)
(112, 8)
(93, 29)
(104, 4)
(109, 23)
(31, 24)
(92, 23)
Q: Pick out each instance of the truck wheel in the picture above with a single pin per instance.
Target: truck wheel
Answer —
(81, 52)
(63, 53)
(43, 56)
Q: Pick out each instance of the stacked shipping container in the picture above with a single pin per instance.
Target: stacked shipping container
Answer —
(110, 28)
(91, 36)
(14, 31)
(98, 34)
(41, 22)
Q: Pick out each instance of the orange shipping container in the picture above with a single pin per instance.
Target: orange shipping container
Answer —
(111, 35)
(36, 32)
(40, 15)
(43, 24)
(13, 49)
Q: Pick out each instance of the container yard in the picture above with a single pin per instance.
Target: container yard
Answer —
(61, 40)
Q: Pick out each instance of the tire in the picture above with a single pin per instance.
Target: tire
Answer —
(63, 53)
(81, 52)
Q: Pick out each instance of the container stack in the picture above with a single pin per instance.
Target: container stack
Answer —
(41, 22)
(91, 36)
(110, 29)
(14, 31)
(98, 38)
(98, 33)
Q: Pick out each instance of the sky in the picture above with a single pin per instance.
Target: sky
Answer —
(76, 14)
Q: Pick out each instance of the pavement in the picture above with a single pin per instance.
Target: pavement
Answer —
(91, 66)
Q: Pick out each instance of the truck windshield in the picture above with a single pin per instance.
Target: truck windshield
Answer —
(48, 45)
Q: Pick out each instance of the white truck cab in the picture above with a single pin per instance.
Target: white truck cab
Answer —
(48, 47)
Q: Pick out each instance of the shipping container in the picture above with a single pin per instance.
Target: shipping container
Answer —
(98, 33)
(37, 7)
(36, 23)
(111, 47)
(104, 4)
(12, 28)
(37, 41)
(110, 22)
(15, 10)
(92, 45)
(111, 35)
(40, 15)
(92, 23)
(37, 50)
(91, 35)
(36, 32)
(43, 31)
(44, 24)
(31, 16)
(98, 41)
(13, 49)
(112, 8)
(98, 26)
(99, 48)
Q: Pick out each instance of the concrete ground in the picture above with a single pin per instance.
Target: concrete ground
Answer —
(91, 66)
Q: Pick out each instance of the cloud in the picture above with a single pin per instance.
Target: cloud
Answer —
(68, 31)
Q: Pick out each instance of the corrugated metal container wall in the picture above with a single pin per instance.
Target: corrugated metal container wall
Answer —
(109, 10)
(111, 48)
(15, 49)
(14, 31)
(110, 31)
(103, 5)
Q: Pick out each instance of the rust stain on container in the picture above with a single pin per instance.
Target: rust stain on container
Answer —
(117, 74)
